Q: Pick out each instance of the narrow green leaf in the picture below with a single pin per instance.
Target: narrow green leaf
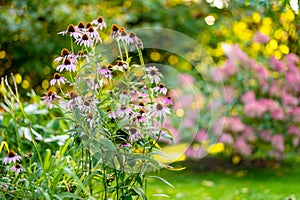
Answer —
(163, 180)
(57, 178)
(65, 195)
(2, 196)
(47, 160)
(46, 195)
(160, 195)
(140, 192)
(169, 133)
(78, 182)
(64, 149)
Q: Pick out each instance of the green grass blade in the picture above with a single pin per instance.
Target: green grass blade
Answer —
(163, 180)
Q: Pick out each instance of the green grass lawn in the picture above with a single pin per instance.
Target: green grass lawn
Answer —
(268, 183)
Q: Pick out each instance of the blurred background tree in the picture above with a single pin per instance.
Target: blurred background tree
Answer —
(29, 40)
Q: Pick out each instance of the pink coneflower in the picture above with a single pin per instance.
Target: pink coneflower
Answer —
(124, 111)
(80, 26)
(160, 88)
(141, 103)
(160, 110)
(50, 96)
(80, 54)
(93, 34)
(99, 22)
(114, 31)
(110, 113)
(132, 38)
(121, 65)
(153, 74)
(68, 65)
(17, 168)
(57, 78)
(64, 54)
(84, 40)
(134, 133)
(140, 118)
(123, 36)
(88, 25)
(72, 31)
(124, 95)
(105, 71)
(90, 119)
(11, 157)
(75, 99)
(87, 106)
(134, 41)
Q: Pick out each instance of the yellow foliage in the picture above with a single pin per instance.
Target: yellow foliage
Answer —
(256, 17)
(173, 153)
(215, 148)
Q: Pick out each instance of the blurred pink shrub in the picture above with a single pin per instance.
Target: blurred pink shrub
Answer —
(263, 100)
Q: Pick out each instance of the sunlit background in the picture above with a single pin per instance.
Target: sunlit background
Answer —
(29, 42)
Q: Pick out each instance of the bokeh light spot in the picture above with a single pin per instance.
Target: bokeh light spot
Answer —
(127, 4)
(173, 60)
(180, 112)
(18, 78)
(155, 56)
(138, 72)
(25, 84)
(45, 84)
(47, 70)
(2, 54)
(210, 20)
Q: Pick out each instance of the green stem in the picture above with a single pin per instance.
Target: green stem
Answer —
(61, 90)
(90, 172)
(126, 49)
(104, 183)
(120, 50)
(71, 42)
(140, 55)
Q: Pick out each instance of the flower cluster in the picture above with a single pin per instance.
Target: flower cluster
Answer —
(12, 157)
(126, 103)
(264, 104)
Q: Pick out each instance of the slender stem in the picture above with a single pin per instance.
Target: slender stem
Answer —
(71, 42)
(140, 55)
(90, 172)
(126, 49)
(104, 182)
(120, 50)
(71, 78)
(61, 90)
